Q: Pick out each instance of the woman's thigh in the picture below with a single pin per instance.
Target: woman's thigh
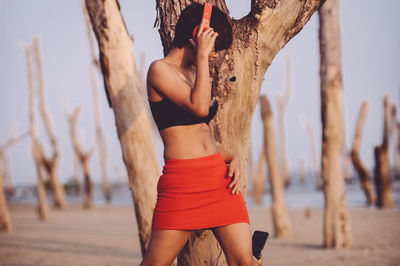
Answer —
(164, 246)
(235, 240)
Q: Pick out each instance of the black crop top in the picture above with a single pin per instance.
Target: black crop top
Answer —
(167, 114)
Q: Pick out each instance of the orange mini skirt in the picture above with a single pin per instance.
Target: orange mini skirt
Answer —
(195, 194)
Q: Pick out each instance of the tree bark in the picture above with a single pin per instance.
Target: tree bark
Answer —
(382, 177)
(36, 148)
(337, 231)
(282, 105)
(5, 220)
(282, 226)
(83, 157)
(52, 164)
(363, 172)
(101, 144)
(237, 77)
(123, 88)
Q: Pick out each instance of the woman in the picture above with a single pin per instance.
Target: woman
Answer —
(199, 188)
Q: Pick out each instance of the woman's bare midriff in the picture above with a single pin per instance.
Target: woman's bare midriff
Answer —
(188, 141)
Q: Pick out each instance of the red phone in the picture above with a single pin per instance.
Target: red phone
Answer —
(206, 18)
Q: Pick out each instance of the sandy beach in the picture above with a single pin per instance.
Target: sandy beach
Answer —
(107, 235)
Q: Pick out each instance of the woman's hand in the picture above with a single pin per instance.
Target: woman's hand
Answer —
(234, 173)
(205, 40)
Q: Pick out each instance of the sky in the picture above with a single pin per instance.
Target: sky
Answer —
(371, 69)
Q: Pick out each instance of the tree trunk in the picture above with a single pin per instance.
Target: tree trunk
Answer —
(363, 173)
(97, 111)
(258, 178)
(337, 231)
(302, 170)
(397, 151)
(316, 170)
(36, 149)
(83, 157)
(396, 137)
(77, 183)
(53, 162)
(382, 177)
(280, 215)
(8, 181)
(346, 153)
(282, 105)
(88, 202)
(123, 88)
(237, 77)
(5, 220)
(347, 166)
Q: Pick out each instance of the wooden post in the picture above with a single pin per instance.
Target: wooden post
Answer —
(282, 226)
(363, 172)
(282, 105)
(51, 164)
(382, 177)
(337, 230)
(36, 148)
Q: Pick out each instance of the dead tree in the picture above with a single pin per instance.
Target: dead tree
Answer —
(302, 170)
(282, 102)
(83, 157)
(396, 137)
(8, 182)
(51, 164)
(123, 89)
(337, 231)
(257, 176)
(363, 172)
(280, 217)
(308, 127)
(5, 221)
(397, 151)
(36, 148)
(237, 77)
(77, 183)
(382, 177)
(101, 144)
(346, 153)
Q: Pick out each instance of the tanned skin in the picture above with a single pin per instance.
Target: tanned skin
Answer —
(172, 77)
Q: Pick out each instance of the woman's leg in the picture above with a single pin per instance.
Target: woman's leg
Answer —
(235, 240)
(164, 246)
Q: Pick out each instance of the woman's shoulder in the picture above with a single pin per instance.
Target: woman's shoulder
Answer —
(158, 66)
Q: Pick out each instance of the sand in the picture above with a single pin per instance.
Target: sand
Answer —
(107, 235)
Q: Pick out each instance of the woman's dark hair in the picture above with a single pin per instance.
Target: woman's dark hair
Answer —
(191, 17)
